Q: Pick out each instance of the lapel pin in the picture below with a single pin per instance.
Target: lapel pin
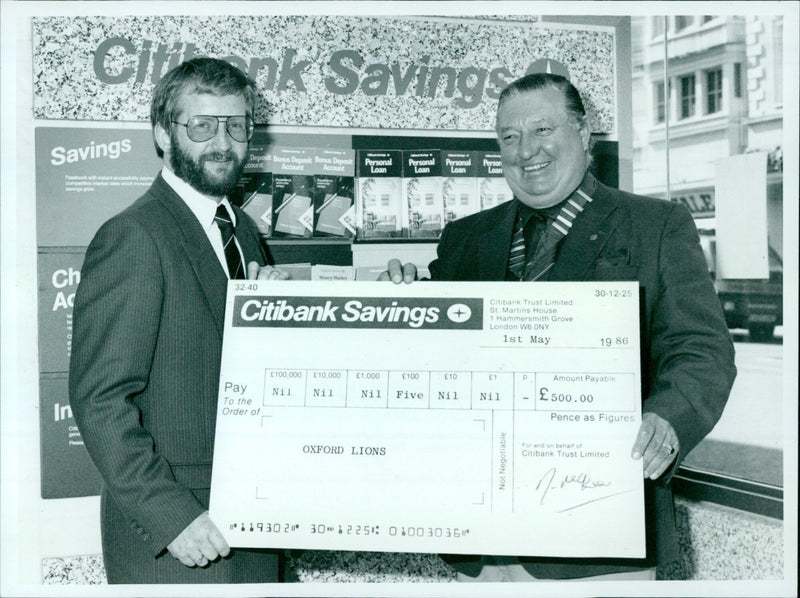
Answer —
(593, 237)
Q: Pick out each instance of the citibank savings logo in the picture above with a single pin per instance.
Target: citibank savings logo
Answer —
(416, 313)
(343, 72)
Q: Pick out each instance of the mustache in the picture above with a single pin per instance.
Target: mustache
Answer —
(218, 156)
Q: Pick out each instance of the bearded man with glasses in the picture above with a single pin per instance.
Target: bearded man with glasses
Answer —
(147, 337)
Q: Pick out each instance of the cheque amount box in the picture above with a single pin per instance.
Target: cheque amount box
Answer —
(284, 388)
(492, 390)
(367, 388)
(451, 390)
(326, 388)
(409, 389)
(559, 391)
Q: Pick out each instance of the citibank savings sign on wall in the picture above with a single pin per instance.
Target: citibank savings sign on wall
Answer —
(398, 73)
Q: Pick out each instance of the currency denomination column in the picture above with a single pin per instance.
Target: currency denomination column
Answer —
(409, 389)
(367, 388)
(493, 396)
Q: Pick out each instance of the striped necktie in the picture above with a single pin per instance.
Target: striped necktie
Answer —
(519, 242)
(545, 255)
(232, 256)
(516, 255)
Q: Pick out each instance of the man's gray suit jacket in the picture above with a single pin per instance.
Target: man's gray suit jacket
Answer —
(687, 354)
(143, 384)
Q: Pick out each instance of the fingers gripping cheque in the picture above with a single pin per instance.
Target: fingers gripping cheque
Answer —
(438, 417)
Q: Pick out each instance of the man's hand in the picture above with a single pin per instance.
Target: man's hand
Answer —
(256, 272)
(199, 544)
(398, 273)
(657, 444)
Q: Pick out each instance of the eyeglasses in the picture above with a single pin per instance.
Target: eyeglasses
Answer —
(203, 127)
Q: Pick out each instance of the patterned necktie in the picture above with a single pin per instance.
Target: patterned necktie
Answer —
(519, 251)
(545, 255)
(232, 256)
(516, 256)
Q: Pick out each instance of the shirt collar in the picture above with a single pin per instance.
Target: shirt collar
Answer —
(203, 206)
(525, 212)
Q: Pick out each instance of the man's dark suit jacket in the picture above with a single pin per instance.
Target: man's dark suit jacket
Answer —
(143, 384)
(687, 354)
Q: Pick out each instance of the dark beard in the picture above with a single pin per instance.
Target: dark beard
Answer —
(184, 166)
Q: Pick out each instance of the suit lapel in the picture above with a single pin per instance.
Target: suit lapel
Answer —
(198, 250)
(494, 244)
(589, 234)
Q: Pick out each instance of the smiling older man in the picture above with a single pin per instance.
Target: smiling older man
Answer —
(565, 225)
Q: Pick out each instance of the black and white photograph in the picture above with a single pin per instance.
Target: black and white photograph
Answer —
(263, 332)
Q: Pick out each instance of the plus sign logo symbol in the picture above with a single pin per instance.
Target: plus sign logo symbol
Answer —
(459, 313)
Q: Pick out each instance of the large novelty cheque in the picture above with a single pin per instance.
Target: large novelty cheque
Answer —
(482, 418)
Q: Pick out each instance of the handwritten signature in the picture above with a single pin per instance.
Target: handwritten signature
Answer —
(552, 481)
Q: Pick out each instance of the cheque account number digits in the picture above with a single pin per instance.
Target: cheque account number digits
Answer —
(410, 531)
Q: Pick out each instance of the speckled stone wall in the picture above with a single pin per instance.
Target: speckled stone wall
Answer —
(356, 72)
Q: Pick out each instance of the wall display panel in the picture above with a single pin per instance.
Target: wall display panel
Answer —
(59, 275)
(67, 470)
(86, 175)
(337, 71)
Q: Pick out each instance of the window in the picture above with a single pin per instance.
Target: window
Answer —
(687, 96)
(660, 102)
(714, 90)
(658, 26)
(682, 22)
(737, 79)
(707, 18)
